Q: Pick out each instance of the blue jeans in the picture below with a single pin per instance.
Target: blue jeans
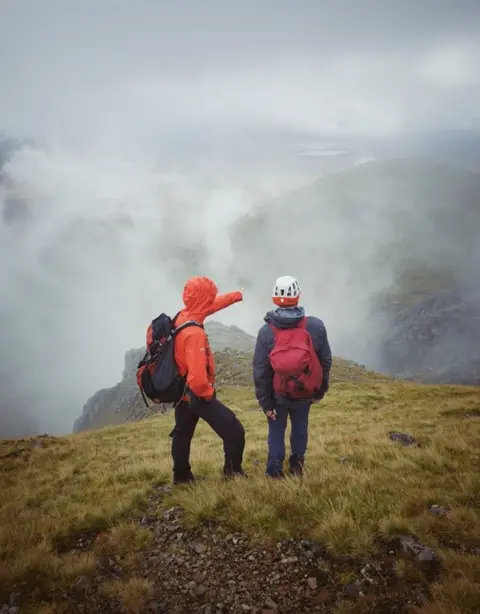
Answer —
(298, 412)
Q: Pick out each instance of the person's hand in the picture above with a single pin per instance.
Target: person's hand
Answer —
(272, 414)
(213, 397)
(321, 393)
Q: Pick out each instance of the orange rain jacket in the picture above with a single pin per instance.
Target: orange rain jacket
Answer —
(192, 350)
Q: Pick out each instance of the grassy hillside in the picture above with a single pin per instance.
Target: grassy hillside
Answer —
(88, 523)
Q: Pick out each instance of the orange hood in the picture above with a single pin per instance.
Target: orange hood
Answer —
(199, 296)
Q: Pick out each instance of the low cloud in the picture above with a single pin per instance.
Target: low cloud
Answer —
(155, 127)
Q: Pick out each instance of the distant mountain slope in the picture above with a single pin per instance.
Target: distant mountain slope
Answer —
(355, 235)
(392, 214)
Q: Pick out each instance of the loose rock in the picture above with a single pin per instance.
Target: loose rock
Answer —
(199, 548)
(271, 604)
(421, 552)
(404, 438)
(438, 510)
(312, 583)
(352, 590)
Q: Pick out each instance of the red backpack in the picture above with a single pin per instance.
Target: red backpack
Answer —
(298, 373)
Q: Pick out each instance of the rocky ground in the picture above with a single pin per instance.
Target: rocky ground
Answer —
(207, 570)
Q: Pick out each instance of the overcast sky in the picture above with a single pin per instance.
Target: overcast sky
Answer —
(103, 85)
(78, 68)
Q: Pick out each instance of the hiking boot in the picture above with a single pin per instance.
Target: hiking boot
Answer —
(183, 479)
(227, 475)
(275, 476)
(296, 464)
(296, 471)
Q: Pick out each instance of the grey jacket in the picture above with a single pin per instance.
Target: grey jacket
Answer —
(286, 317)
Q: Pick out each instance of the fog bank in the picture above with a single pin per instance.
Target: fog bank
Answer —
(152, 127)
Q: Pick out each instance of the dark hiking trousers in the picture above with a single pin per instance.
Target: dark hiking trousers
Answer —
(299, 413)
(222, 420)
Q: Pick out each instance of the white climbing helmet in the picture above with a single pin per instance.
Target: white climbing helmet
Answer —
(286, 291)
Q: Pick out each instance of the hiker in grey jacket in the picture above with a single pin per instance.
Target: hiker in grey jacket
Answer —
(288, 314)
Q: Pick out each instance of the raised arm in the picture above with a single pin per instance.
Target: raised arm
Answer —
(225, 300)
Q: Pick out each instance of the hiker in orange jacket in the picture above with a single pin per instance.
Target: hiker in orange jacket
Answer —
(195, 359)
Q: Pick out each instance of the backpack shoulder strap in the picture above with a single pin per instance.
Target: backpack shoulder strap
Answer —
(186, 325)
(274, 328)
(303, 323)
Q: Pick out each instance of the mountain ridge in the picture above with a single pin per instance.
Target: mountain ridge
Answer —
(233, 350)
(123, 402)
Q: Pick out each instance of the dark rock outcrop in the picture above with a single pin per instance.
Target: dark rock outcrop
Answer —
(436, 339)
(123, 402)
